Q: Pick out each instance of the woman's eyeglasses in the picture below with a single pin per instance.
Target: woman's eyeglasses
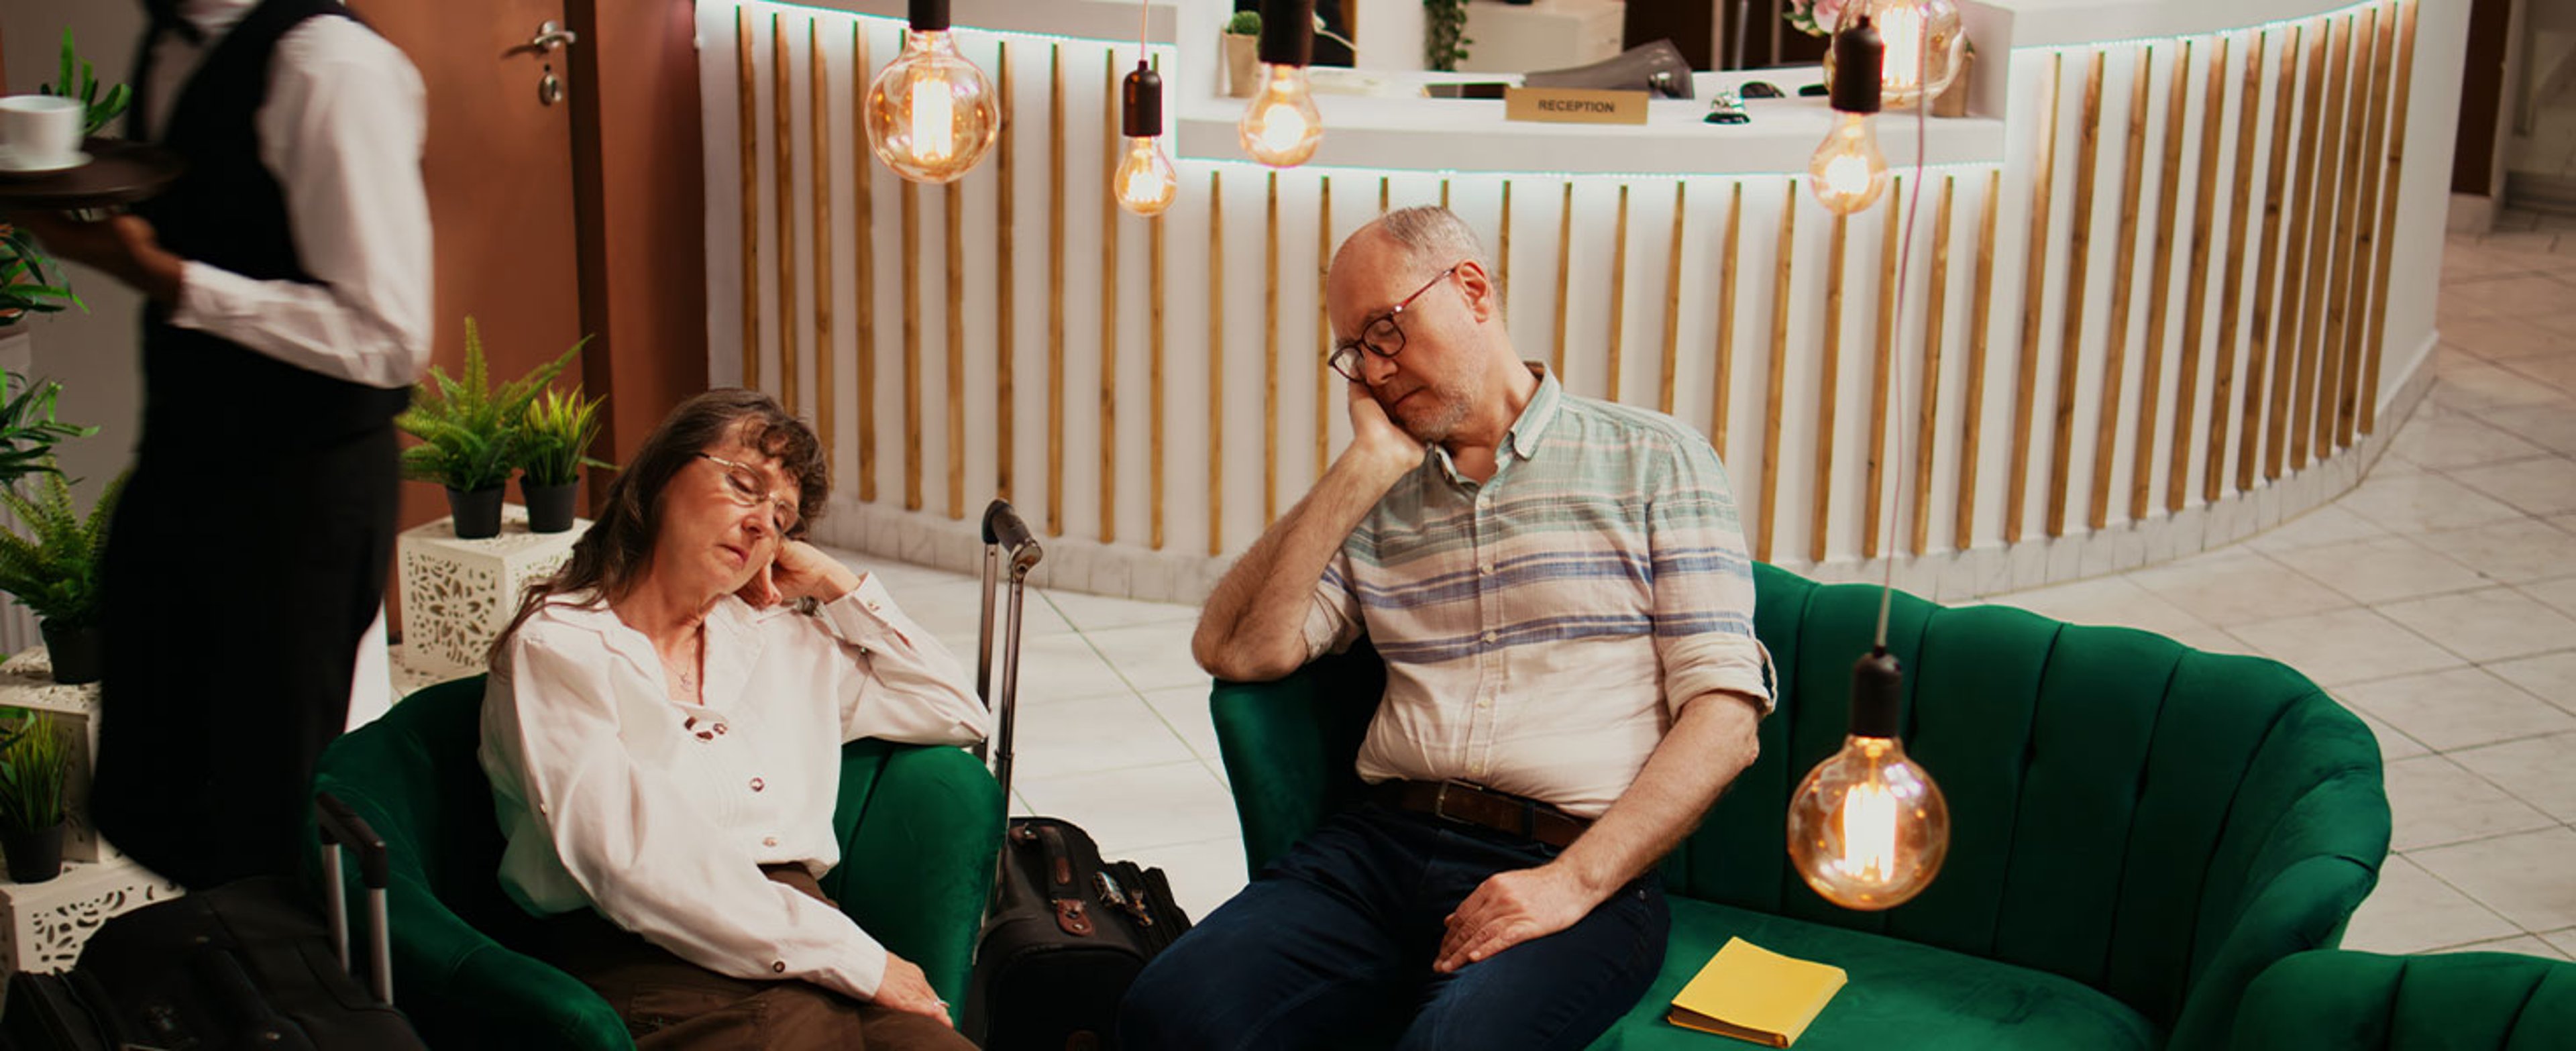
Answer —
(1382, 336)
(743, 484)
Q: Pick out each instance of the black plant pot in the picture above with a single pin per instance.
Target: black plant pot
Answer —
(76, 653)
(550, 507)
(34, 857)
(478, 512)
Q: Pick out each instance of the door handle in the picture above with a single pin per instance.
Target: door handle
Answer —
(551, 36)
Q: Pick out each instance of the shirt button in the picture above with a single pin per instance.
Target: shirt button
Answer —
(768, 841)
(1484, 702)
(757, 784)
(1489, 636)
(778, 967)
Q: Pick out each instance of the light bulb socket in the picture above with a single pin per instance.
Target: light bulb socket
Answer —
(1877, 695)
(929, 16)
(1288, 32)
(1141, 103)
(1859, 58)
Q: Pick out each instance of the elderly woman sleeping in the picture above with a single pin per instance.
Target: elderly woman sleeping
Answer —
(663, 731)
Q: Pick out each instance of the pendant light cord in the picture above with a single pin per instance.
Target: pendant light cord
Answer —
(1898, 478)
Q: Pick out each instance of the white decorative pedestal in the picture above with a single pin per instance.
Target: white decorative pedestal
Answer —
(27, 681)
(457, 595)
(45, 924)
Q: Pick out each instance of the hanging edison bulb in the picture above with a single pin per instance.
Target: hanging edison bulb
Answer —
(930, 113)
(1847, 172)
(1925, 46)
(1145, 182)
(1868, 828)
(1281, 127)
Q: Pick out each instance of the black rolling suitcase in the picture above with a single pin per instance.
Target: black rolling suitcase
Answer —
(245, 965)
(1066, 932)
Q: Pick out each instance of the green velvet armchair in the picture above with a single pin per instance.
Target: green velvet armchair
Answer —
(459, 971)
(2137, 828)
(2358, 1001)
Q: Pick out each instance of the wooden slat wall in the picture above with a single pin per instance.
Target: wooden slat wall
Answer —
(2292, 351)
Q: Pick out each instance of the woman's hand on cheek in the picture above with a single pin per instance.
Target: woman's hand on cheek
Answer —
(762, 591)
(804, 571)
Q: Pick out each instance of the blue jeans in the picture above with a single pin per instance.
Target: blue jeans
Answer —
(1331, 947)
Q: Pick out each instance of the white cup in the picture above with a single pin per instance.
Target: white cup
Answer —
(40, 131)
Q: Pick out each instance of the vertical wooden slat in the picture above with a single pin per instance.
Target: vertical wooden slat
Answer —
(1383, 196)
(1673, 300)
(1771, 403)
(2378, 333)
(952, 204)
(2365, 235)
(1883, 363)
(1110, 155)
(2079, 255)
(2231, 295)
(2267, 359)
(1503, 250)
(1928, 393)
(1005, 333)
(864, 255)
(1270, 358)
(1564, 278)
(2195, 300)
(819, 128)
(1828, 398)
(2288, 401)
(2141, 472)
(746, 93)
(1216, 362)
(1722, 387)
(1325, 376)
(1972, 402)
(1055, 291)
(2316, 371)
(911, 345)
(2124, 254)
(782, 117)
(1618, 296)
(2350, 122)
(2034, 304)
(1154, 381)
(1444, 193)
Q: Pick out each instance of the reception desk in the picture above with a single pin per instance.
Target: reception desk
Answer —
(2171, 281)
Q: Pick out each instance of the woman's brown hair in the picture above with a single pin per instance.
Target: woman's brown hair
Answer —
(611, 558)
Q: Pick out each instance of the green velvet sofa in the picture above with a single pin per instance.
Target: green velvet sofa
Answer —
(459, 971)
(2358, 1001)
(2137, 828)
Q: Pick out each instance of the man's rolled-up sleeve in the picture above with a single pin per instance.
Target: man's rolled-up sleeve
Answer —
(1703, 583)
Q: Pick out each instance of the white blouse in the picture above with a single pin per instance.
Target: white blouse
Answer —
(660, 814)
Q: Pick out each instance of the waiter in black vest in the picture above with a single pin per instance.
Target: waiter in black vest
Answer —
(289, 276)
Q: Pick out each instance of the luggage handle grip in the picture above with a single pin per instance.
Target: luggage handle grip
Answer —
(341, 826)
(1004, 529)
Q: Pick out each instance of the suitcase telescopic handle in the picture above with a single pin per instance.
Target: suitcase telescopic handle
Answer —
(1003, 529)
(339, 826)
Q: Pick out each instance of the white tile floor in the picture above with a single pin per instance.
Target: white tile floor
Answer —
(2438, 600)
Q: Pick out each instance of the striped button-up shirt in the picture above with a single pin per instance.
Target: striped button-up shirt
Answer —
(1543, 629)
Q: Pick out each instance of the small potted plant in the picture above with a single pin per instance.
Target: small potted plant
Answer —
(469, 433)
(554, 447)
(1243, 54)
(54, 569)
(33, 767)
(28, 429)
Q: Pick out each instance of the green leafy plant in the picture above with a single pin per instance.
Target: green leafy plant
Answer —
(1244, 23)
(28, 429)
(30, 282)
(470, 433)
(556, 437)
(101, 110)
(53, 567)
(33, 768)
(1444, 33)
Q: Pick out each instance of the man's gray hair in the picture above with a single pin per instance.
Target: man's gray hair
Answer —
(1435, 236)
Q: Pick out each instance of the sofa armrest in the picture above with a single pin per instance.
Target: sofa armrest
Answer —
(917, 866)
(1288, 747)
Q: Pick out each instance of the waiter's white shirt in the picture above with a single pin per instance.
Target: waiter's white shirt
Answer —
(342, 131)
(660, 814)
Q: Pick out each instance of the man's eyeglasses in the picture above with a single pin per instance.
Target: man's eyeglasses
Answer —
(1382, 336)
(743, 484)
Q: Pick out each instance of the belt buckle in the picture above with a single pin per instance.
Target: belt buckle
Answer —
(1440, 803)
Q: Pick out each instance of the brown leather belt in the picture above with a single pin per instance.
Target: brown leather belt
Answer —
(1486, 808)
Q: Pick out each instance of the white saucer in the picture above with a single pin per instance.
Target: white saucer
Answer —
(9, 164)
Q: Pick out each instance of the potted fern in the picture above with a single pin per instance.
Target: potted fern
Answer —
(470, 434)
(33, 768)
(54, 569)
(28, 429)
(555, 446)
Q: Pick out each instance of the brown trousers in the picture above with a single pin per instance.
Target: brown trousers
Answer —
(670, 1004)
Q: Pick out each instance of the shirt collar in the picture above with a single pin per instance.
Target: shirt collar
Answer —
(1535, 416)
(215, 17)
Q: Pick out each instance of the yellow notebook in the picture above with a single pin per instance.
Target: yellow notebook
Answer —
(1750, 993)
